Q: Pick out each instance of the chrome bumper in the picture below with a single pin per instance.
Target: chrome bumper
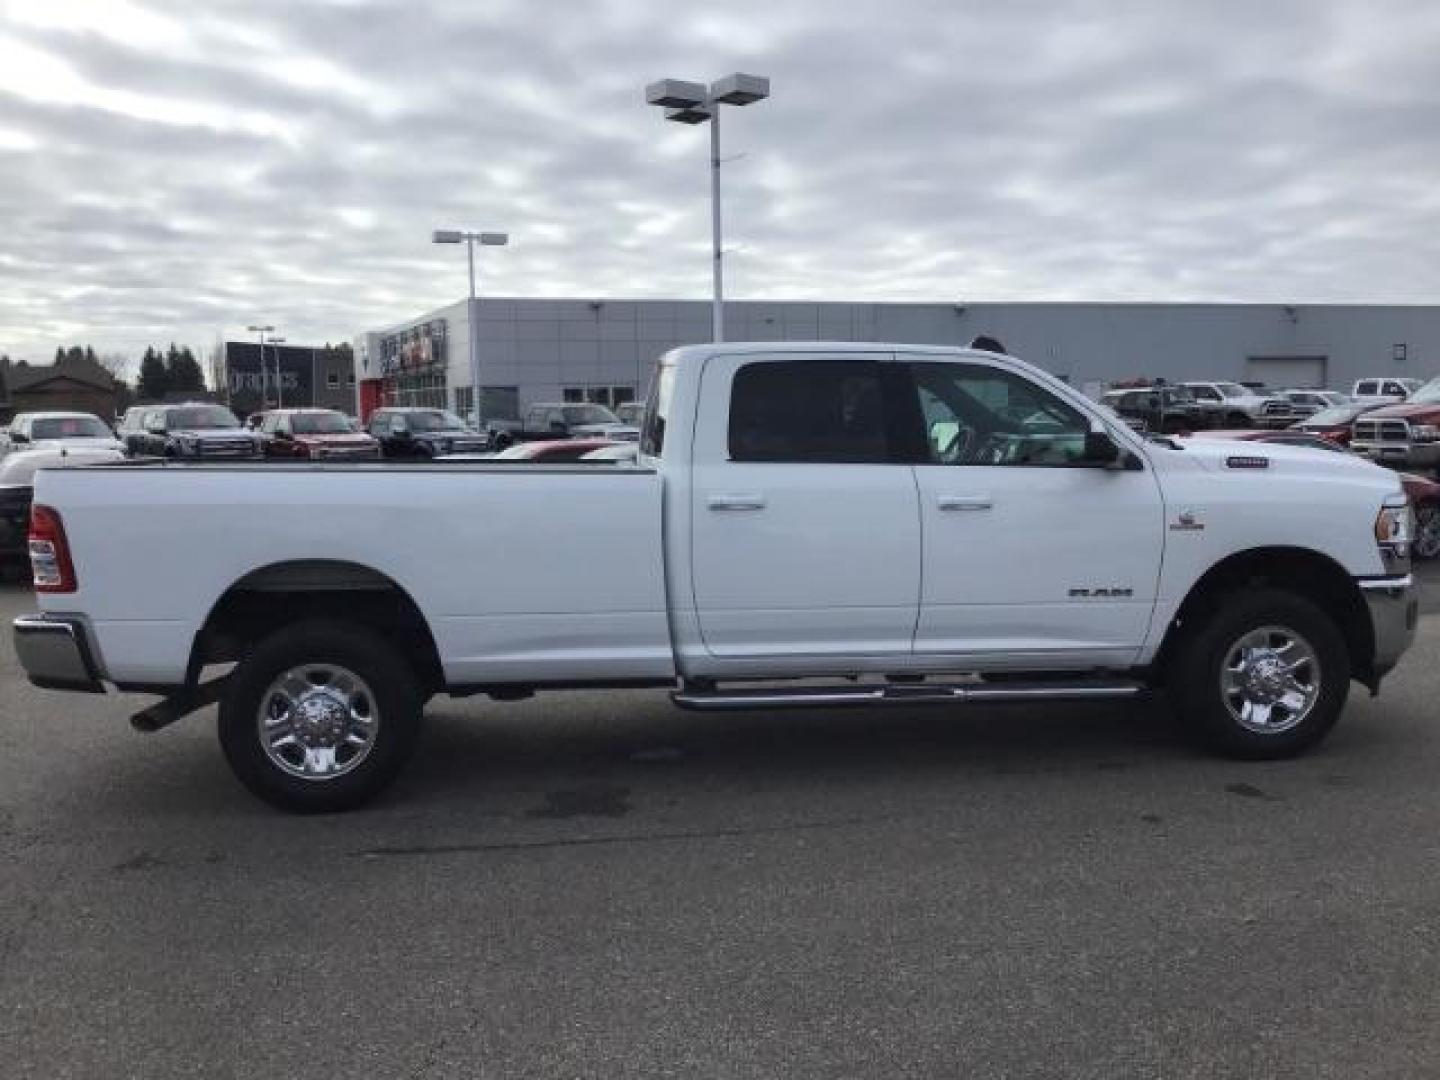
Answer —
(1394, 605)
(56, 654)
(1416, 455)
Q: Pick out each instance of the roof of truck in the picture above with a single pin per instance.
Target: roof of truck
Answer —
(835, 349)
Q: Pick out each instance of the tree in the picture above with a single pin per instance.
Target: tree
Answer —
(182, 370)
(154, 378)
(75, 355)
(59, 354)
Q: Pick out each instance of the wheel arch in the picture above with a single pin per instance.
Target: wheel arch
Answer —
(1303, 571)
(278, 594)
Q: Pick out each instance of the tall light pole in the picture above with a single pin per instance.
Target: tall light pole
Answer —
(279, 385)
(262, 331)
(470, 239)
(694, 103)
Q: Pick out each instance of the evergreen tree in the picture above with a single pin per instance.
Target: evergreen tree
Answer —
(75, 355)
(154, 378)
(90, 357)
(59, 354)
(182, 370)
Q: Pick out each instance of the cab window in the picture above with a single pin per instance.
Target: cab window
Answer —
(980, 415)
(808, 411)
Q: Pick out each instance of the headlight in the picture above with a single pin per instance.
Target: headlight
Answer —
(1394, 528)
(1424, 432)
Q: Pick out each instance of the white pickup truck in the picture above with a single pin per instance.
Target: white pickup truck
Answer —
(916, 525)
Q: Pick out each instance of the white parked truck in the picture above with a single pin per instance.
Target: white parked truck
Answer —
(805, 525)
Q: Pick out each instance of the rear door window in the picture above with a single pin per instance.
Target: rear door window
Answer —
(1365, 389)
(808, 411)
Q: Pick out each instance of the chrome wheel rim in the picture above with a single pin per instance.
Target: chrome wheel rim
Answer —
(1270, 680)
(318, 722)
(1427, 532)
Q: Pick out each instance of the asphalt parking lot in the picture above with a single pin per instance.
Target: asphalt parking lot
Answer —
(602, 886)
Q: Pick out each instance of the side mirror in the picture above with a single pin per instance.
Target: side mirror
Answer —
(1100, 449)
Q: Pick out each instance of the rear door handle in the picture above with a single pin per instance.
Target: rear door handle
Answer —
(737, 502)
(965, 502)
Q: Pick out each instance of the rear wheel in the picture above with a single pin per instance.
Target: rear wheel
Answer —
(1264, 676)
(320, 717)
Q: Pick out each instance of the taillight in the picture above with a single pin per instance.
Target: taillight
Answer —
(50, 562)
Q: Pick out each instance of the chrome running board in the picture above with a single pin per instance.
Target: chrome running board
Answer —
(809, 697)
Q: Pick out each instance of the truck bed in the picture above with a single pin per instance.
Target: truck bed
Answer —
(526, 573)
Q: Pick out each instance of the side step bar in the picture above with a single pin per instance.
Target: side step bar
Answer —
(906, 694)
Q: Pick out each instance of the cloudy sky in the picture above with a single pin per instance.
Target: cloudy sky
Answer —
(174, 169)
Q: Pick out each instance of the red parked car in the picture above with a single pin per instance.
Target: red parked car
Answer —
(1335, 423)
(1423, 493)
(317, 434)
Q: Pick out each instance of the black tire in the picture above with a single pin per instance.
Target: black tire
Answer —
(396, 708)
(1196, 673)
(504, 441)
(1238, 420)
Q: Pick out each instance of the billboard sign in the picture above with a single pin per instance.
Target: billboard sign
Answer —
(415, 350)
(250, 389)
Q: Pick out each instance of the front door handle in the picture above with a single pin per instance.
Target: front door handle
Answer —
(736, 502)
(965, 502)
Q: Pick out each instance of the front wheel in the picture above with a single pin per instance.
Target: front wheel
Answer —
(1265, 675)
(322, 716)
(1427, 531)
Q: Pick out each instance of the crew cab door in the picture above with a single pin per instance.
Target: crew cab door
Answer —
(1030, 556)
(805, 525)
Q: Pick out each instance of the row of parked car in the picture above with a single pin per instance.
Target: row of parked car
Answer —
(212, 432)
(1191, 406)
(1392, 421)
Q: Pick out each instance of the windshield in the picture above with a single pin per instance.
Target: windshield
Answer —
(1231, 389)
(435, 420)
(1429, 394)
(588, 414)
(1179, 395)
(200, 419)
(320, 424)
(70, 427)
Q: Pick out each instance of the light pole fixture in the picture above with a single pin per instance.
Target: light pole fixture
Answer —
(262, 331)
(695, 103)
(470, 239)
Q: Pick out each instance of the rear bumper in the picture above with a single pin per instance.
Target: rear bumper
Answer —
(1394, 605)
(55, 652)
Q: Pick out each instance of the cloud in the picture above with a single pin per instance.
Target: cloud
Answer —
(174, 171)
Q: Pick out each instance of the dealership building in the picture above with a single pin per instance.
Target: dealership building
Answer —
(601, 350)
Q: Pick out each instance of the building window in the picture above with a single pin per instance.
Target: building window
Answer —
(619, 395)
(350, 379)
(332, 379)
(1399, 352)
(500, 402)
(573, 394)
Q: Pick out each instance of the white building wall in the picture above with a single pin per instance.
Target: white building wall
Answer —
(545, 346)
